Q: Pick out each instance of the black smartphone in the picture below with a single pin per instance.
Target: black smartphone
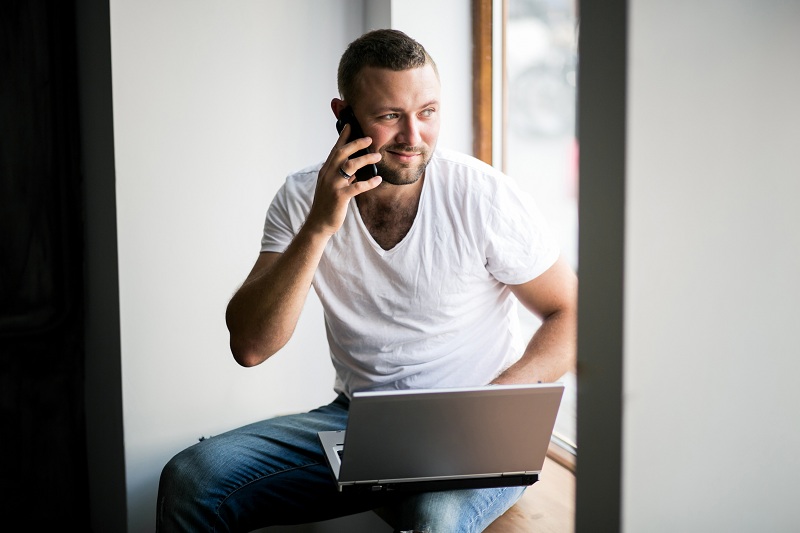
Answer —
(347, 117)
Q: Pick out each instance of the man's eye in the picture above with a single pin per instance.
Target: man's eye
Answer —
(428, 112)
(390, 116)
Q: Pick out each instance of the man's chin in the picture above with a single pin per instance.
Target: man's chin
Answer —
(405, 176)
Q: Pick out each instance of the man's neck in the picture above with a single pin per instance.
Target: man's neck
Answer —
(388, 211)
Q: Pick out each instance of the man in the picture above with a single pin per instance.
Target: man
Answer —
(418, 270)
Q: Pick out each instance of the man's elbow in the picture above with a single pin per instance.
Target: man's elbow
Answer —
(249, 347)
(247, 354)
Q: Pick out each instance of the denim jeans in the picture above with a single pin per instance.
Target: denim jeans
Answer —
(273, 472)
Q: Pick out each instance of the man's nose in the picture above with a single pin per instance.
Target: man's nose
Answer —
(409, 131)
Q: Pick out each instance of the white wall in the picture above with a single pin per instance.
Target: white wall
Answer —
(711, 358)
(214, 103)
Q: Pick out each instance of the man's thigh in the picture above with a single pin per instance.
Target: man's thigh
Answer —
(286, 477)
(266, 473)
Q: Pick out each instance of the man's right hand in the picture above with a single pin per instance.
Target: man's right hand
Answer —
(334, 191)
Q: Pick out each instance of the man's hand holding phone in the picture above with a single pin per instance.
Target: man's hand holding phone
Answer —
(347, 117)
(334, 190)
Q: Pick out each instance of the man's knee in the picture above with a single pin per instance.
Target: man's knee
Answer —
(181, 470)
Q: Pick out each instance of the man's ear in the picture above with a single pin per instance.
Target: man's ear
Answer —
(337, 105)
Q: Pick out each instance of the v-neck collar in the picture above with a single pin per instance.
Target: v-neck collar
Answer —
(420, 212)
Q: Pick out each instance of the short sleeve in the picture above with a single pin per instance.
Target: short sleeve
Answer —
(288, 210)
(519, 242)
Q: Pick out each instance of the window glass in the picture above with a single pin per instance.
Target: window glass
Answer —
(539, 141)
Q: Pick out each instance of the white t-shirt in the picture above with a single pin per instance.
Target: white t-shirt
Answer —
(434, 311)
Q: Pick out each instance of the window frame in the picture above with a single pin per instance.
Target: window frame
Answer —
(482, 79)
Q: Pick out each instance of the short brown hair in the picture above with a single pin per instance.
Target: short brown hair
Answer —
(389, 49)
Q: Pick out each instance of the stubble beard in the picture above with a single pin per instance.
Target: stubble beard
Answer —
(404, 175)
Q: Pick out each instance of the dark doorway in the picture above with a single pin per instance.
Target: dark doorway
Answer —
(43, 474)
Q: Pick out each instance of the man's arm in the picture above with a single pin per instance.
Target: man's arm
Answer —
(262, 314)
(551, 352)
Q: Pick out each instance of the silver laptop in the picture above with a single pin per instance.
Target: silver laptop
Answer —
(437, 439)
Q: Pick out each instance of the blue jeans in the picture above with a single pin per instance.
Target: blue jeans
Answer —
(273, 472)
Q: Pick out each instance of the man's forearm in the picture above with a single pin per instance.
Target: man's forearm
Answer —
(263, 313)
(550, 353)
